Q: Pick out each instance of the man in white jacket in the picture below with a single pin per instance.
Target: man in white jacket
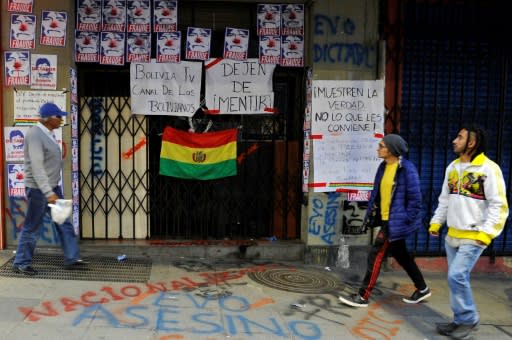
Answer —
(473, 204)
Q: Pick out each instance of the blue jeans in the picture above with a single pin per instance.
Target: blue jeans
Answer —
(37, 207)
(461, 261)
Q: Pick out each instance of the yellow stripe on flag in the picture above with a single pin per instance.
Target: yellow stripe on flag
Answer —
(189, 155)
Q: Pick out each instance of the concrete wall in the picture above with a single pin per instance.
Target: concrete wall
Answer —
(344, 46)
(15, 208)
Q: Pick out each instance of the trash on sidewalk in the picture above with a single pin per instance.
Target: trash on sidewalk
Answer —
(297, 305)
(342, 260)
(121, 257)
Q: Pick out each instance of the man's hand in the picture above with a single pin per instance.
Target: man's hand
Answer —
(52, 198)
(434, 229)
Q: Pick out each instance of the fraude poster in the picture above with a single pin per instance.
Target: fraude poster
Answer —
(171, 89)
(347, 121)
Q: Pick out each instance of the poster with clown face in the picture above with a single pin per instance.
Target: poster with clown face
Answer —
(269, 19)
(88, 17)
(139, 16)
(17, 68)
(87, 47)
(16, 180)
(292, 19)
(112, 48)
(165, 16)
(270, 49)
(236, 43)
(138, 47)
(53, 28)
(292, 50)
(198, 43)
(168, 47)
(113, 15)
(23, 31)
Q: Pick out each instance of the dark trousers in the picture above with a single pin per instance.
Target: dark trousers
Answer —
(400, 253)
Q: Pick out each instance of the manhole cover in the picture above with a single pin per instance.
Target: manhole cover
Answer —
(295, 280)
(100, 268)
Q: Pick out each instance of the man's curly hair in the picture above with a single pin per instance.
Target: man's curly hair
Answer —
(476, 133)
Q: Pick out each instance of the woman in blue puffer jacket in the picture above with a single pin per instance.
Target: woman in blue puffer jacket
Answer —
(395, 206)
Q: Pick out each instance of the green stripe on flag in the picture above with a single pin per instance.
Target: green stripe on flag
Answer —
(191, 171)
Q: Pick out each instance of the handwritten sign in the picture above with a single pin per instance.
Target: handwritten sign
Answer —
(165, 88)
(346, 124)
(239, 87)
(27, 103)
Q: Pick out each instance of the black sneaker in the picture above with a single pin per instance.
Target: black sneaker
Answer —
(446, 328)
(354, 300)
(28, 270)
(463, 332)
(78, 264)
(418, 296)
(82, 261)
(456, 331)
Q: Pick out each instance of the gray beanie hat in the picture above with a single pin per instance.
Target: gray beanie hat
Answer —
(395, 144)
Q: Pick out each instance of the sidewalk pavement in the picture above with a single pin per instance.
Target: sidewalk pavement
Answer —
(231, 299)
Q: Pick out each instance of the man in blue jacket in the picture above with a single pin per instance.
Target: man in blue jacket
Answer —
(395, 206)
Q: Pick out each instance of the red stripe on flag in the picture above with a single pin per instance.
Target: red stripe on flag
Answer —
(199, 140)
(316, 136)
(317, 185)
(212, 63)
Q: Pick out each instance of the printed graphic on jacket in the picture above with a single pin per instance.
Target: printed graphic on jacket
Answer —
(471, 184)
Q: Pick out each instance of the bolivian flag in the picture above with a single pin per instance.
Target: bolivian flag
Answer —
(202, 156)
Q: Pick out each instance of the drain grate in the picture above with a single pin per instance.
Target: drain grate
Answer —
(100, 268)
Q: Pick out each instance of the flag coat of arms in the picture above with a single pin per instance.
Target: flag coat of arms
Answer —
(201, 156)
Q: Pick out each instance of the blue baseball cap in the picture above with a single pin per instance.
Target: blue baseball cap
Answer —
(50, 109)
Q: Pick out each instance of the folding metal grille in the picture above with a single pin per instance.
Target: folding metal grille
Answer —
(123, 195)
(114, 182)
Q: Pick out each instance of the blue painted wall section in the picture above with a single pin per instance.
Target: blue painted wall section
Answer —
(324, 216)
(17, 212)
(97, 137)
(335, 50)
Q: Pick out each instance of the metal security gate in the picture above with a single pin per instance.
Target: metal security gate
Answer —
(123, 196)
(455, 69)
